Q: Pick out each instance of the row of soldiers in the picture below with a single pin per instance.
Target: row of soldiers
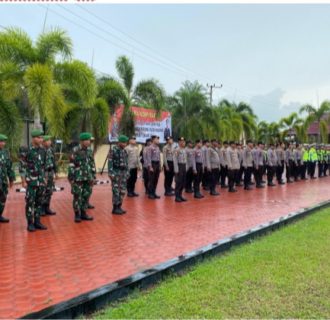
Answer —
(211, 163)
(38, 171)
(205, 163)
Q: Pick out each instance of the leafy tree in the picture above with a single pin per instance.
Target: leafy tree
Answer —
(147, 93)
(44, 73)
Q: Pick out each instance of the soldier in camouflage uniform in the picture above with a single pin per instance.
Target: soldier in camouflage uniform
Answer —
(32, 171)
(6, 173)
(82, 174)
(50, 175)
(118, 172)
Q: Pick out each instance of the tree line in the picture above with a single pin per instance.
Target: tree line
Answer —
(41, 80)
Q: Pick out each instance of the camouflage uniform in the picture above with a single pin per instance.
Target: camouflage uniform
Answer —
(118, 170)
(50, 168)
(82, 174)
(6, 172)
(32, 168)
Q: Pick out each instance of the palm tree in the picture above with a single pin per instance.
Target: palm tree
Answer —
(44, 73)
(238, 117)
(289, 124)
(10, 123)
(268, 132)
(147, 93)
(192, 117)
(320, 115)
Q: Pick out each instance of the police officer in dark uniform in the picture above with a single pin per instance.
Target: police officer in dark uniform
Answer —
(180, 169)
(199, 165)
(190, 166)
(153, 163)
(168, 152)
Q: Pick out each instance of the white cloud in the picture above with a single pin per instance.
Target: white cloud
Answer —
(311, 95)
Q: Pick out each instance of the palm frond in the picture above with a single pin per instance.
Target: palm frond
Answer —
(79, 77)
(126, 72)
(52, 43)
(16, 46)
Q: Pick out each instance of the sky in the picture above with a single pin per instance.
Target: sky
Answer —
(275, 57)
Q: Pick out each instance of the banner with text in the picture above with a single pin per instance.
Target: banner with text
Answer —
(147, 124)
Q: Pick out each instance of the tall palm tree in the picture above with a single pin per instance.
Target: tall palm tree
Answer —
(268, 132)
(238, 117)
(44, 73)
(321, 115)
(290, 124)
(192, 117)
(147, 93)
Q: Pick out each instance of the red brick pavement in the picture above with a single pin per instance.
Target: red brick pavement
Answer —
(46, 267)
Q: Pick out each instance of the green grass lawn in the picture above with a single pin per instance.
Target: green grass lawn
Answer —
(283, 275)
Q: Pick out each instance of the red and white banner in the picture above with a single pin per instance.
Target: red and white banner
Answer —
(147, 124)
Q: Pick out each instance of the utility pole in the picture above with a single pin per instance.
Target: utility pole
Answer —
(45, 20)
(212, 86)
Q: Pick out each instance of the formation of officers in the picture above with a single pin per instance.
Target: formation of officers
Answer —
(193, 166)
(207, 164)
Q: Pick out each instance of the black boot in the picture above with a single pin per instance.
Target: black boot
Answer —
(178, 198)
(124, 211)
(77, 217)
(169, 194)
(117, 210)
(130, 194)
(38, 225)
(49, 212)
(85, 216)
(3, 219)
(198, 195)
(43, 211)
(90, 206)
(183, 199)
(151, 196)
(135, 194)
(30, 226)
(214, 193)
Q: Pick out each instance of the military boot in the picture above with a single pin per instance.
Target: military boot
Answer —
(43, 211)
(198, 195)
(30, 226)
(124, 211)
(117, 210)
(85, 216)
(178, 198)
(77, 217)
(183, 199)
(214, 192)
(49, 212)
(38, 225)
(90, 206)
(3, 219)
